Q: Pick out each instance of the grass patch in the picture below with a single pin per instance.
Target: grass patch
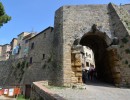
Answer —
(21, 97)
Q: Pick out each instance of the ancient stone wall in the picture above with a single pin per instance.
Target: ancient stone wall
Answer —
(71, 22)
(40, 92)
(127, 7)
(120, 18)
(11, 71)
(57, 65)
(75, 21)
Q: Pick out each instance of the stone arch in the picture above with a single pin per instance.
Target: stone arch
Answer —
(99, 42)
(95, 32)
(106, 58)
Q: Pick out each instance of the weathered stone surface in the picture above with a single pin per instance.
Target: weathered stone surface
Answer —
(40, 92)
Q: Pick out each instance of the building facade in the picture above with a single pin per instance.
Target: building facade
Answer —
(87, 57)
(25, 45)
(20, 45)
(40, 56)
(5, 52)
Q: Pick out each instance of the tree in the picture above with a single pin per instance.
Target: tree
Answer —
(4, 18)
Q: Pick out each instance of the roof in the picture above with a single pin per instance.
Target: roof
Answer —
(5, 44)
(42, 32)
(14, 39)
(126, 4)
(27, 36)
(22, 33)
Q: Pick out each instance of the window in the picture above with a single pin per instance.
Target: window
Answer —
(30, 60)
(43, 56)
(26, 41)
(32, 45)
(24, 56)
(87, 64)
(44, 35)
(89, 55)
(86, 54)
(82, 54)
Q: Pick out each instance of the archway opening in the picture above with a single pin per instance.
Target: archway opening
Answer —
(99, 48)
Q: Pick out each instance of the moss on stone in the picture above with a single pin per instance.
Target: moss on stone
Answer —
(124, 40)
(44, 66)
(126, 62)
(121, 46)
(129, 65)
(18, 65)
(127, 51)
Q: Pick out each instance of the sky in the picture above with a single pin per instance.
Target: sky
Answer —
(36, 15)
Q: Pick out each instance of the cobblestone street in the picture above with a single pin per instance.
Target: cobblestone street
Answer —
(95, 92)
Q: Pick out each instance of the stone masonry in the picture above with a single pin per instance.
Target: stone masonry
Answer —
(39, 57)
(71, 22)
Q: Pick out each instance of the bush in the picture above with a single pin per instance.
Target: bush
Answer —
(127, 51)
(124, 40)
(126, 62)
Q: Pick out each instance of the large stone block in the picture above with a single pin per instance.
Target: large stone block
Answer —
(74, 79)
(78, 74)
(79, 69)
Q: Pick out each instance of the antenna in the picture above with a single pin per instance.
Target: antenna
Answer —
(32, 31)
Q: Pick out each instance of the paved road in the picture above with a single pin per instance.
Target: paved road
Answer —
(96, 91)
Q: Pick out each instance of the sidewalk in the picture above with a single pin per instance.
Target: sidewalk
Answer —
(6, 98)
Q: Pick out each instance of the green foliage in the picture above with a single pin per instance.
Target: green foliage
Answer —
(127, 23)
(44, 66)
(127, 84)
(129, 66)
(18, 65)
(121, 46)
(27, 65)
(23, 64)
(49, 60)
(125, 40)
(129, 27)
(126, 62)
(21, 97)
(19, 70)
(127, 51)
(120, 57)
(4, 18)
